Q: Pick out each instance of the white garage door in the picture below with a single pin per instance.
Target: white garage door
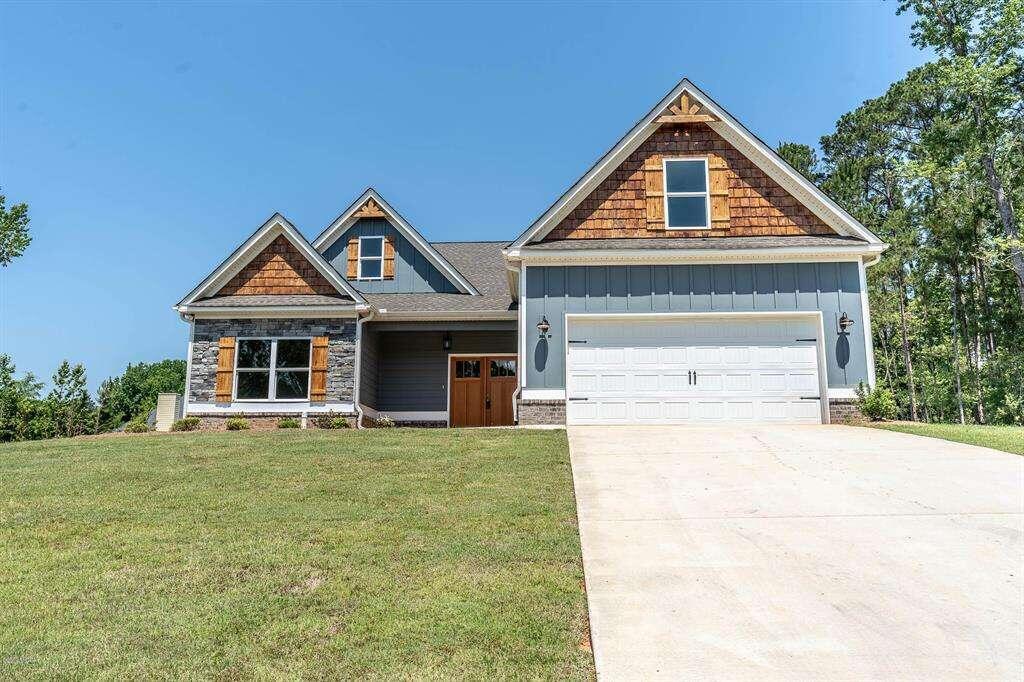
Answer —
(692, 370)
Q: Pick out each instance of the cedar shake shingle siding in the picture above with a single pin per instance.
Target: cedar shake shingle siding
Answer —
(758, 206)
(278, 270)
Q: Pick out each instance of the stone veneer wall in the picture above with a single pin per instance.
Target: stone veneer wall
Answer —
(341, 347)
(535, 412)
(844, 410)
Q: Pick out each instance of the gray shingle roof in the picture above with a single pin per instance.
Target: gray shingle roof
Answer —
(479, 262)
(263, 301)
(660, 243)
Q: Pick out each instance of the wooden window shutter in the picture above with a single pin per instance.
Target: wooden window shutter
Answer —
(389, 257)
(353, 258)
(318, 385)
(654, 191)
(718, 176)
(225, 369)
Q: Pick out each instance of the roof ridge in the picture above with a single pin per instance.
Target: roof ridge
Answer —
(472, 241)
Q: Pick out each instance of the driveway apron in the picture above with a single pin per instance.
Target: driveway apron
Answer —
(799, 553)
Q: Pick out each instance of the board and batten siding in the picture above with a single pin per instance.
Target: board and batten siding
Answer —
(831, 287)
(412, 367)
(413, 272)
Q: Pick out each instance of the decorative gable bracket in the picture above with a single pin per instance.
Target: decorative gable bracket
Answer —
(370, 209)
(686, 110)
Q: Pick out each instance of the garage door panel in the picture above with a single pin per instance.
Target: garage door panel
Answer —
(612, 383)
(639, 371)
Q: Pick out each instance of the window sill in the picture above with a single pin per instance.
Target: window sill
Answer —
(270, 400)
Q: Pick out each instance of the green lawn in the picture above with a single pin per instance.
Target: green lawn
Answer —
(381, 554)
(1007, 438)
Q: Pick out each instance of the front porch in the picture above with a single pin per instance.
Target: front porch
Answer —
(412, 371)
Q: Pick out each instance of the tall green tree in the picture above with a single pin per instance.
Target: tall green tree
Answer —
(911, 165)
(14, 235)
(134, 393)
(20, 412)
(803, 158)
(69, 405)
(981, 65)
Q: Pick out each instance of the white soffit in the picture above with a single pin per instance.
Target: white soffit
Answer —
(736, 134)
(348, 218)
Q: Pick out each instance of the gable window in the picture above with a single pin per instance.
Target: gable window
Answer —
(686, 194)
(272, 369)
(371, 258)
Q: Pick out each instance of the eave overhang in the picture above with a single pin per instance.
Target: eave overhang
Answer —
(865, 252)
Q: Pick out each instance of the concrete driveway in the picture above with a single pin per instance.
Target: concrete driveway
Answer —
(799, 552)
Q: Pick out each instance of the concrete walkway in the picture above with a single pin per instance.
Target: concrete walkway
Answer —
(800, 553)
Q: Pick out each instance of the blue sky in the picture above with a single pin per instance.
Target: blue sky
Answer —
(150, 139)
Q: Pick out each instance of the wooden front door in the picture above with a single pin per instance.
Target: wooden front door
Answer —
(481, 389)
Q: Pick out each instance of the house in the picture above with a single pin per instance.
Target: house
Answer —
(689, 276)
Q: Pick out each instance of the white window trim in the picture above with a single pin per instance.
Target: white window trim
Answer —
(361, 258)
(272, 370)
(706, 193)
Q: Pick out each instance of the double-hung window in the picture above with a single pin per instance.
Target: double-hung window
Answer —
(686, 194)
(272, 369)
(371, 258)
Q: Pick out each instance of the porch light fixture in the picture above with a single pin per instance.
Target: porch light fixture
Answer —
(845, 322)
(543, 326)
(446, 343)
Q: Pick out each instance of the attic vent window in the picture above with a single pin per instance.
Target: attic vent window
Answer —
(686, 194)
(371, 258)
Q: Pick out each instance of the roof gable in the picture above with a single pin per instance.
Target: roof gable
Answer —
(745, 202)
(411, 271)
(371, 205)
(687, 104)
(275, 260)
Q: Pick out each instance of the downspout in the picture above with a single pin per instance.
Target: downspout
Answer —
(191, 319)
(358, 370)
(514, 290)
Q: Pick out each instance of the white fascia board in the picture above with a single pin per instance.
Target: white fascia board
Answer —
(203, 312)
(443, 316)
(793, 254)
(251, 247)
(333, 231)
(735, 133)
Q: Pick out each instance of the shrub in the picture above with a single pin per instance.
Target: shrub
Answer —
(878, 404)
(186, 424)
(327, 421)
(237, 424)
(288, 423)
(136, 426)
(383, 422)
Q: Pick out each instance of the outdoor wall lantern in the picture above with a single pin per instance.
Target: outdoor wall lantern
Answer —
(447, 342)
(845, 322)
(543, 326)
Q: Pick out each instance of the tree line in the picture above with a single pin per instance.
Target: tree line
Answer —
(935, 167)
(68, 409)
